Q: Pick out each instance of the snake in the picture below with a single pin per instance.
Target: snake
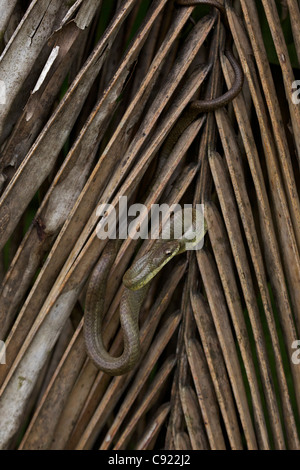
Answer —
(206, 106)
(137, 278)
(136, 282)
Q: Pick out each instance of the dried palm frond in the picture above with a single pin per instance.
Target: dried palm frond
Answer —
(90, 91)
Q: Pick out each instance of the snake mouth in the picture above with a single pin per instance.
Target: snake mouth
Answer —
(145, 268)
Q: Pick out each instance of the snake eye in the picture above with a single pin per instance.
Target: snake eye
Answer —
(168, 252)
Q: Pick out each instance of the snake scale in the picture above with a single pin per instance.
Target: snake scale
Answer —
(137, 278)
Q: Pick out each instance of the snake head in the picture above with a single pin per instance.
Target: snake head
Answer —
(145, 268)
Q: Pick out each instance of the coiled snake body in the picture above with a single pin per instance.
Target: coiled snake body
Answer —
(136, 281)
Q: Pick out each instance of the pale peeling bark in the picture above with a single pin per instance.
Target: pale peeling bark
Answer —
(6, 9)
(22, 53)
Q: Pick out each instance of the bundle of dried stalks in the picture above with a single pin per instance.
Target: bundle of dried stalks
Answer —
(90, 91)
